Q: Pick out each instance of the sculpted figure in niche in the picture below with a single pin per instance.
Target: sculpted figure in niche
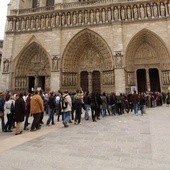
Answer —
(109, 14)
(32, 23)
(6, 66)
(42, 22)
(74, 18)
(97, 16)
(135, 10)
(47, 22)
(119, 62)
(162, 9)
(63, 19)
(129, 16)
(37, 25)
(57, 19)
(122, 13)
(148, 10)
(85, 17)
(17, 24)
(92, 16)
(53, 21)
(68, 18)
(80, 17)
(27, 23)
(103, 15)
(155, 10)
(116, 13)
(142, 13)
(23, 24)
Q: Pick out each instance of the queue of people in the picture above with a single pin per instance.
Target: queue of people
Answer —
(18, 108)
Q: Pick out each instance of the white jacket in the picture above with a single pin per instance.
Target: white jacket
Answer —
(67, 99)
(7, 106)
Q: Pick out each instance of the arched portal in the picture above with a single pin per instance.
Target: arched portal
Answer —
(32, 69)
(85, 53)
(146, 51)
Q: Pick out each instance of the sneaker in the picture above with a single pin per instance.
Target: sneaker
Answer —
(80, 123)
(70, 121)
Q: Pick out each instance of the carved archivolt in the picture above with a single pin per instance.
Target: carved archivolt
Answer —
(87, 50)
(146, 48)
(32, 62)
(63, 16)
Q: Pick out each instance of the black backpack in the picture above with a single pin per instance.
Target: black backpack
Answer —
(64, 103)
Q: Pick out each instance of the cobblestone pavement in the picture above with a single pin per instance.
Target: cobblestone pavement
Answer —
(126, 142)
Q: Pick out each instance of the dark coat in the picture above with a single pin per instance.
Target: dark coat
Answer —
(19, 110)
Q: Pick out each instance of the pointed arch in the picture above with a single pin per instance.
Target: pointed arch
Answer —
(33, 61)
(82, 41)
(146, 38)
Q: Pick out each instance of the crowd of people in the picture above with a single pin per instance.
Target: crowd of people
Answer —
(17, 108)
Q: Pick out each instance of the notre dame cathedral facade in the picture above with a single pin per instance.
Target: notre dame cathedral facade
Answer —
(99, 45)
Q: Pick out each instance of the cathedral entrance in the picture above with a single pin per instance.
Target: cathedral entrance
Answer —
(154, 80)
(96, 84)
(87, 61)
(32, 69)
(141, 80)
(84, 84)
(148, 51)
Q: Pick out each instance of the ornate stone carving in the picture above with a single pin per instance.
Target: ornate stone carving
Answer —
(55, 63)
(130, 79)
(6, 65)
(148, 11)
(116, 13)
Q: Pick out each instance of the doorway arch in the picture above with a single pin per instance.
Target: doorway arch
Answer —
(32, 69)
(147, 51)
(87, 52)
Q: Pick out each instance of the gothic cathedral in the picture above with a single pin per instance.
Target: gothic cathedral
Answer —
(98, 45)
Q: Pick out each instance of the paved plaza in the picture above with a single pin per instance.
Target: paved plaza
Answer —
(126, 142)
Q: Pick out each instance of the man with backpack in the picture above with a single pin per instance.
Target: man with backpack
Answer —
(66, 106)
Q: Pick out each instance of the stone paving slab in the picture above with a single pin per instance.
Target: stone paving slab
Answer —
(126, 142)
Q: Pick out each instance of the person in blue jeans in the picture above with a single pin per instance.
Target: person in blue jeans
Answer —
(66, 98)
(52, 107)
(135, 101)
(142, 102)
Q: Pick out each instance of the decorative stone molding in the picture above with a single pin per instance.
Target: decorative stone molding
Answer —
(75, 14)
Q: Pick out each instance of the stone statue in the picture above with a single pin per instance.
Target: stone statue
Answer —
(103, 15)
(53, 21)
(162, 9)
(119, 62)
(129, 13)
(63, 19)
(148, 10)
(109, 14)
(142, 13)
(68, 18)
(47, 22)
(135, 10)
(37, 25)
(122, 13)
(80, 17)
(92, 16)
(42, 22)
(97, 16)
(74, 18)
(155, 11)
(6, 66)
(85, 17)
(116, 13)
(57, 20)
(23, 24)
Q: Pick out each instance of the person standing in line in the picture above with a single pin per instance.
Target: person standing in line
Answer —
(2, 102)
(142, 102)
(42, 113)
(135, 101)
(27, 111)
(52, 107)
(8, 111)
(66, 111)
(19, 113)
(36, 108)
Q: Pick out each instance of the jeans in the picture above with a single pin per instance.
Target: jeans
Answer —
(36, 121)
(135, 107)
(87, 109)
(66, 116)
(142, 109)
(112, 109)
(51, 116)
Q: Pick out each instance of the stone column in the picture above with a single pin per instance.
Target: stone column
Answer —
(90, 81)
(147, 80)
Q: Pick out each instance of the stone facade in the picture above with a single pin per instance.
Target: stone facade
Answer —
(97, 45)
